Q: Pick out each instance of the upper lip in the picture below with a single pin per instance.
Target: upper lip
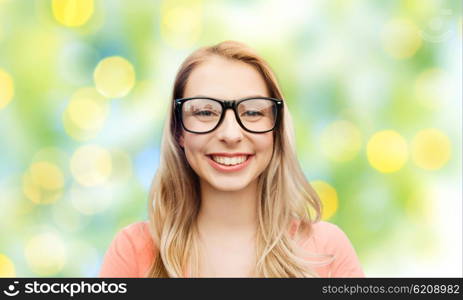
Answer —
(229, 154)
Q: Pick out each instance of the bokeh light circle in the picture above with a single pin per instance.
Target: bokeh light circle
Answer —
(340, 141)
(91, 165)
(387, 151)
(86, 114)
(328, 197)
(43, 182)
(46, 254)
(430, 149)
(72, 13)
(31, 190)
(401, 38)
(114, 77)
(181, 24)
(47, 175)
(7, 268)
(6, 89)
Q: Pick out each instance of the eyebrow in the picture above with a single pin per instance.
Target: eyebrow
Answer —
(251, 96)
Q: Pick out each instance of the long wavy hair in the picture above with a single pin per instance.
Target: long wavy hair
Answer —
(287, 204)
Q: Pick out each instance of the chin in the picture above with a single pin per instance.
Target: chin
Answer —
(229, 185)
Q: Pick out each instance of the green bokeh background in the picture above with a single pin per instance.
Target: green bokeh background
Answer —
(379, 65)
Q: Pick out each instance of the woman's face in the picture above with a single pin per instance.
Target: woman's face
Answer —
(211, 154)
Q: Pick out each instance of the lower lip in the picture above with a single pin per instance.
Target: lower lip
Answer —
(224, 168)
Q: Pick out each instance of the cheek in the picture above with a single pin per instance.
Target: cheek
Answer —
(264, 146)
(193, 147)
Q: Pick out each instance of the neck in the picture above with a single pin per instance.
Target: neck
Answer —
(225, 212)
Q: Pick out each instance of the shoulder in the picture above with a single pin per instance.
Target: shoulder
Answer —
(130, 252)
(323, 235)
(329, 239)
(134, 238)
(329, 235)
(138, 233)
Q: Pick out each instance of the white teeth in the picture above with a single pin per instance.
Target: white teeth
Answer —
(229, 161)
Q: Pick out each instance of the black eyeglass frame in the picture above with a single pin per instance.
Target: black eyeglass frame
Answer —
(232, 104)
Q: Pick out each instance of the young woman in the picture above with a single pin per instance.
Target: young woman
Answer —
(229, 198)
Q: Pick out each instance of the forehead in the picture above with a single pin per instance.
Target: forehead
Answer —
(223, 78)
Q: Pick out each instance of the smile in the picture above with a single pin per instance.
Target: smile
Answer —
(227, 163)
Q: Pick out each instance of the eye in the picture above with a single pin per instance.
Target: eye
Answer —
(204, 113)
(252, 113)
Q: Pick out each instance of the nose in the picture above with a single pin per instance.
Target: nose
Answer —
(230, 131)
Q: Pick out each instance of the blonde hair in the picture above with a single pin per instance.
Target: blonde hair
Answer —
(285, 196)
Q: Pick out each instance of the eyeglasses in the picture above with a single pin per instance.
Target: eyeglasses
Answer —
(204, 114)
